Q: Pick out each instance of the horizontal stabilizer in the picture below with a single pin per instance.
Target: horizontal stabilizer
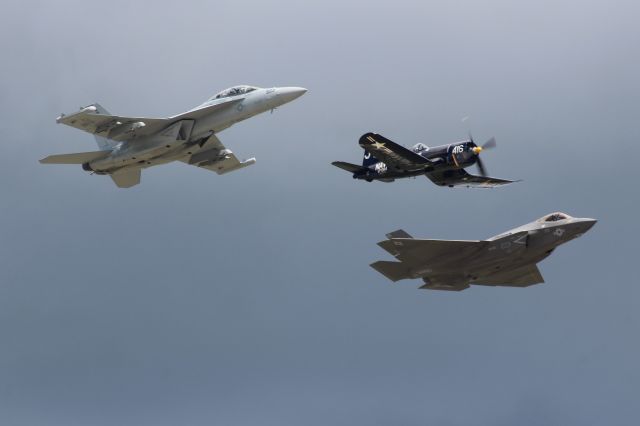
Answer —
(353, 168)
(75, 158)
(395, 271)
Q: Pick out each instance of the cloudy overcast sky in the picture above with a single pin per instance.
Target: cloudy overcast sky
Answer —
(247, 299)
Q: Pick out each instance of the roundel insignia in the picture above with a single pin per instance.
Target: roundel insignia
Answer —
(367, 155)
(240, 107)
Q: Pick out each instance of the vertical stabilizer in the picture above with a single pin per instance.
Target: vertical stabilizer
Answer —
(369, 159)
(103, 143)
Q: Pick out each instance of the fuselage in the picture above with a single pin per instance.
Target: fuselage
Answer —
(167, 145)
(531, 243)
(452, 156)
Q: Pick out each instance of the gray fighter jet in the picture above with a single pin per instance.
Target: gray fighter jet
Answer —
(508, 259)
(130, 144)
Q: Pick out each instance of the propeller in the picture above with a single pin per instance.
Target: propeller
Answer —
(491, 143)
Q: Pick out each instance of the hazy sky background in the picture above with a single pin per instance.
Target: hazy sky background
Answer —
(247, 299)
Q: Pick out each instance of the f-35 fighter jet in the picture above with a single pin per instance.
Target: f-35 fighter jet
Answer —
(508, 259)
(130, 144)
(387, 161)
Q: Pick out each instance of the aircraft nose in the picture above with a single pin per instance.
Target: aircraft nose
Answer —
(287, 94)
(586, 223)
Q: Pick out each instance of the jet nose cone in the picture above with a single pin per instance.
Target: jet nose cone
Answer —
(586, 224)
(287, 94)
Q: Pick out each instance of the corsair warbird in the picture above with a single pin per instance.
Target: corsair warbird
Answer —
(130, 144)
(508, 259)
(387, 161)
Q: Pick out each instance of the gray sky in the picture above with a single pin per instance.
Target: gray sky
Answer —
(247, 299)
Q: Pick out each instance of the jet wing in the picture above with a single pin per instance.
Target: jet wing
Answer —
(393, 155)
(520, 277)
(460, 177)
(430, 251)
(215, 157)
(96, 120)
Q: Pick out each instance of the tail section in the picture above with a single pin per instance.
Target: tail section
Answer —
(103, 143)
(368, 159)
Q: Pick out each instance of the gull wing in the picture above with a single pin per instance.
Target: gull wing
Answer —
(393, 155)
(214, 156)
(460, 177)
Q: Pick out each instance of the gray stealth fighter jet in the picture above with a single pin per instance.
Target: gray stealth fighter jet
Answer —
(130, 144)
(508, 259)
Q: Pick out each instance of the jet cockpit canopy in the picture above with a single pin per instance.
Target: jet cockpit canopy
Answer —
(554, 217)
(234, 91)
(419, 147)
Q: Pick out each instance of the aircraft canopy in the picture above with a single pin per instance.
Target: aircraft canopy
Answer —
(234, 91)
(419, 147)
(554, 217)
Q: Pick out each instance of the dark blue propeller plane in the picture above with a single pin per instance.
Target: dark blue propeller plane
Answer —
(387, 161)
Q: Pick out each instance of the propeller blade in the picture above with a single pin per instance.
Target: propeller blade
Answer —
(491, 143)
(481, 169)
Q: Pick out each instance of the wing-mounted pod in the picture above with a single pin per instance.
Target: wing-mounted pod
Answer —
(219, 159)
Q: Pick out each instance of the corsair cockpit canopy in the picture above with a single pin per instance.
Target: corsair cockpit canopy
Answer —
(419, 147)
